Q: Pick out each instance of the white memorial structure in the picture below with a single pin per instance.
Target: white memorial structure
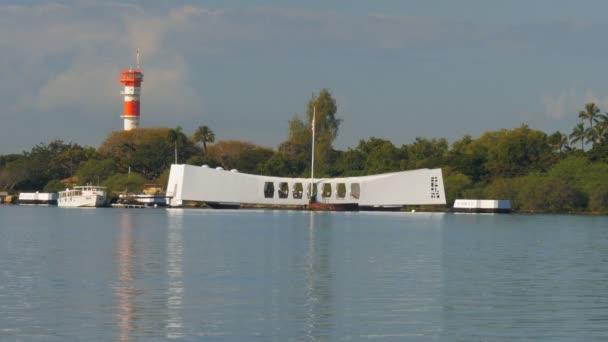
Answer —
(222, 188)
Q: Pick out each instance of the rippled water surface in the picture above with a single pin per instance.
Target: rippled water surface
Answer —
(189, 275)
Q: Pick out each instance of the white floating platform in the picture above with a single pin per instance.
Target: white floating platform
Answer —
(38, 198)
(482, 206)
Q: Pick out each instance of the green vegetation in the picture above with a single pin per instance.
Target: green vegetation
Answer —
(538, 172)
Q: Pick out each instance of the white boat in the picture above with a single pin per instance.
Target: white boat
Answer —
(82, 196)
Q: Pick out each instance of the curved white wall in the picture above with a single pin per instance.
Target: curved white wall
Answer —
(195, 183)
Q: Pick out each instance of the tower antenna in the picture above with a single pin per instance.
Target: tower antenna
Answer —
(138, 59)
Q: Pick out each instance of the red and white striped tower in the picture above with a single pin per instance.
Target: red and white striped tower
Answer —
(132, 80)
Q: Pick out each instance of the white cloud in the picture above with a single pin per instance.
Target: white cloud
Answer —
(556, 106)
(71, 58)
(600, 101)
(60, 58)
(569, 103)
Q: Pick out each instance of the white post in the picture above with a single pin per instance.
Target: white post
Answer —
(312, 163)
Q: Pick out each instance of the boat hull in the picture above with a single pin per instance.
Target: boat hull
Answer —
(87, 196)
(81, 202)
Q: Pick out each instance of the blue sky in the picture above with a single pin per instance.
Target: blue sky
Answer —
(398, 69)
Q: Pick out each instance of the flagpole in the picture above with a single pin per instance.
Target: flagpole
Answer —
(312, 163)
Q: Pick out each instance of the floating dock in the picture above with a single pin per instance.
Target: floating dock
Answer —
(482, 206)
(44, 198)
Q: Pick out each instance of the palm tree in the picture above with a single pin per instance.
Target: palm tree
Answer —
(590, 113)
(175, 137)
(564, 143)
(578, 134)
(601, 127)
(204, 134)
(601, 133)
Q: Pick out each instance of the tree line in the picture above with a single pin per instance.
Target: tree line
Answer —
(538, 172)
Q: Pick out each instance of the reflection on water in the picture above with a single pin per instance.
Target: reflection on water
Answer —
(126, 291)
(175, 250)
(318, 281)
(139, 275)
(140, 303)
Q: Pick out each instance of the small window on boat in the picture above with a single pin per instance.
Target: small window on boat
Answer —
(355, 191)
(269, 190)
(298, 189)
(326, 190)
(341, 190)
(283, 190)
(314, 190)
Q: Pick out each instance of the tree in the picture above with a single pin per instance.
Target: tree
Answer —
(120, 182)
(427, 153)
(455, 185)
(517, 152)
(279, 165)
(204, 135)
(46, 162)
(589, 113)
(544, 194)
(578, 134)
(350, 163)
(326, 130)
(327, 125)
(558, 141)
(250, 161)
(151, 159)
(379, 156)
(601, 128)
(228, 154)
(13, 173)
(146, 150)
(94, 171)
(176, 137)
(469, 156)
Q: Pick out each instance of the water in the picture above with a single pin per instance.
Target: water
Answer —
(190, 275)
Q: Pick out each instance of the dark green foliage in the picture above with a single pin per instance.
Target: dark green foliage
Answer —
(349, 163)
(517, 152)
(32, 170)
(199, 160)
(599, 152)
(425, 153)
(148, 151)
(380, 156)
(279, 165)
(299, 142)
(250, 161)
(455, 184)
(130, 183)
(54, 186)
(542, 194)
(469, 157)
(204, 135)
(151, 159)
(94, 171)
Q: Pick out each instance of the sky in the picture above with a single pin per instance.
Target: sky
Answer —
(398, 69)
